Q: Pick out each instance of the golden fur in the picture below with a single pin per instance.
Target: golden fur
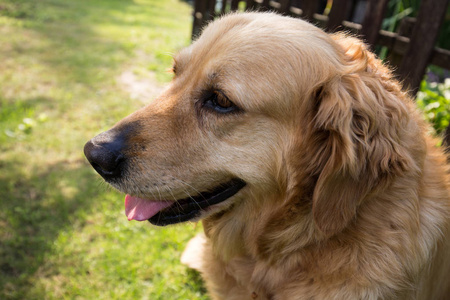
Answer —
(347, 196)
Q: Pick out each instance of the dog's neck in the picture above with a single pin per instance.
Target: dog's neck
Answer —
(254, 231)
(273, 233)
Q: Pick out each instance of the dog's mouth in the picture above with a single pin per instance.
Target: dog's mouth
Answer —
(162, 213)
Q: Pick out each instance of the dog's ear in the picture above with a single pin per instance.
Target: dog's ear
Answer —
(359, 118)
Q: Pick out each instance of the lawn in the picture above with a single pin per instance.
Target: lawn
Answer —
(69, 70)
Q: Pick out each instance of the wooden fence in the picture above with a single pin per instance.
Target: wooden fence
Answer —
(412, 47)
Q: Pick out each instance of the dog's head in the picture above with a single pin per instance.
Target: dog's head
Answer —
(260, 107)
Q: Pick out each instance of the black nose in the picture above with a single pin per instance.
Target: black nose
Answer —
(104, 154)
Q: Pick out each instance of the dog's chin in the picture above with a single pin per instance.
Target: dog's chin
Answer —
(200, 206)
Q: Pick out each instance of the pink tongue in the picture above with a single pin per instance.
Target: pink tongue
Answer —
(142, 209)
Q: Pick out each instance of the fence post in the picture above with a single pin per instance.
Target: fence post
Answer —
(423, 39)
(372, 20)
(284, 6)
(309, 8)
(337, 14)
(200, 7)
(250, 4)
(234, 4)
(265, 5)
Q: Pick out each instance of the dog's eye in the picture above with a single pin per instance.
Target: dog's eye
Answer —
(219, 103)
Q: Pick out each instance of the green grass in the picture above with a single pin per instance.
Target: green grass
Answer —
(69, 70)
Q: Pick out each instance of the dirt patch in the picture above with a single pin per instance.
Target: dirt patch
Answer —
(140, 87)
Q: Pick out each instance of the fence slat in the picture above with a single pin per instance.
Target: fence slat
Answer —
(425, 33)
(223, 9)
(211, 14)
(309, 8)
(337, 14)
(441, 58)
(284, 6)
(199, 11)
(372, 20)
(251, 4)
(234, 4)
(265, 5)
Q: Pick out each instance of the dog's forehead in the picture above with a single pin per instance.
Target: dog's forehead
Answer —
(262, 55)
(234, 43)
(255, 43)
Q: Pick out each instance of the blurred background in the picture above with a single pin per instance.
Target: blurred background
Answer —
(68, 71)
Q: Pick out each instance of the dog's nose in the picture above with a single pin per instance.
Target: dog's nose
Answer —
(104, 154)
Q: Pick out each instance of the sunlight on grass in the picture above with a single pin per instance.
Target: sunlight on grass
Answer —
(71, 69)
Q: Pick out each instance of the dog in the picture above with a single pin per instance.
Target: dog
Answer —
(312, 171)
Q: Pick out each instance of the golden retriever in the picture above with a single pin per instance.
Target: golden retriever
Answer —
(313, 173)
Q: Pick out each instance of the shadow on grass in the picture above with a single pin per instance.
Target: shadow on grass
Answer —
(72, 33)
(68, 41)
(35, 208)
